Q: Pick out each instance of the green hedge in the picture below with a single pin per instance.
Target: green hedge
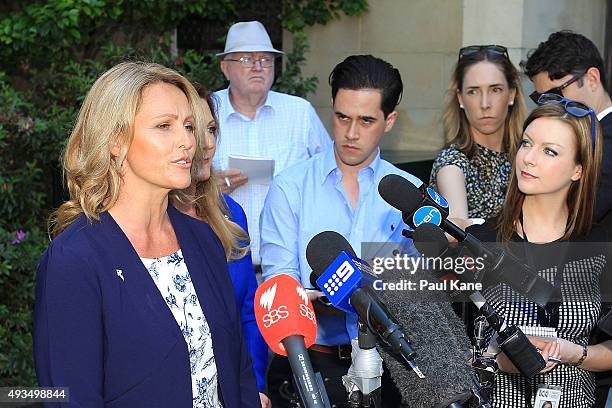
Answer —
(50, 54)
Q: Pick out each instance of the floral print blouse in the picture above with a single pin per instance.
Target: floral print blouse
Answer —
(172, 278)
(487, 175)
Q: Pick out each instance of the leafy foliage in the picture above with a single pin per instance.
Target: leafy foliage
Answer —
(19, 254)
(51, 52)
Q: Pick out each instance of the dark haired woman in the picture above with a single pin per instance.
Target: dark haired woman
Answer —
(482, 121)
(547, 221)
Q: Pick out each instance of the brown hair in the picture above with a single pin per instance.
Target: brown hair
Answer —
(456, 125)
(580, 198)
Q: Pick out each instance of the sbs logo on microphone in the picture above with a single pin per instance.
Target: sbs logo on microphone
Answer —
(274, 315)
(267, 298)
(302, 293)
(305, 311)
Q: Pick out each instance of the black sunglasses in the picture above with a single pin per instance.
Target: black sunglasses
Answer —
(491, 49)
(535, 96)
(574, 108)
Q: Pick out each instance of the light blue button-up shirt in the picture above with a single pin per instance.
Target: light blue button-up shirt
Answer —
(309, 198)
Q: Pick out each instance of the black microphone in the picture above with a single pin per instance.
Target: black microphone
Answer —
(605, 323)
(430, 240)
(435, 332)
(418, 208)
(321, 252)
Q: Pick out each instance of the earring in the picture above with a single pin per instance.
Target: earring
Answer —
(511, 103)
(461, 106)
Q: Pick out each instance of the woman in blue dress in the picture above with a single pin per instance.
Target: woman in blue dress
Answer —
(231, 227)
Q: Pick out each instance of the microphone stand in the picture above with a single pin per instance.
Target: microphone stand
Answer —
(309, 385)
(485, 367)
(479, 400)
(363, 380)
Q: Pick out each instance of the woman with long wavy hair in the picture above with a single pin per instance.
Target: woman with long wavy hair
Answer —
(134, 304)
(230, 224)
(547, 220)
(482, 121)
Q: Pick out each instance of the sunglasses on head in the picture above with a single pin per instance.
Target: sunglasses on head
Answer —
(490, 49)
(535, 96)
(574, 108)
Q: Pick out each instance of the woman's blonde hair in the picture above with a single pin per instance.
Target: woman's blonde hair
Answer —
(456, 125)
(581, 195)
(211, 207)
(106, 119)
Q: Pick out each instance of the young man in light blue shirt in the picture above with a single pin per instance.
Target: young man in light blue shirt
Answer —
(336, 190)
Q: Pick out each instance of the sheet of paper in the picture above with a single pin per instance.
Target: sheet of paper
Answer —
(259, 170)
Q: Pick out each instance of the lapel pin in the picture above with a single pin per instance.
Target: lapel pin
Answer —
(120, 274)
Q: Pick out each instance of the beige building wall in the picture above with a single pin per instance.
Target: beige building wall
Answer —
(522, 24)
(422, 37)
(419, 37)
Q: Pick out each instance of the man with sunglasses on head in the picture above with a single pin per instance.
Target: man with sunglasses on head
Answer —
(569, 65)
(257, 122)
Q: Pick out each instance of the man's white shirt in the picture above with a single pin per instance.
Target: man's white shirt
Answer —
(286, 128)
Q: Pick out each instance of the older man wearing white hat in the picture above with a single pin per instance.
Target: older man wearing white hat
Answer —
(255, 121)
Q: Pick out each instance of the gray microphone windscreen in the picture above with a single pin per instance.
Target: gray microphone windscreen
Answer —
(440, 341)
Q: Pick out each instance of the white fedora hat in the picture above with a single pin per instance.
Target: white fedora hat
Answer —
(248, 36)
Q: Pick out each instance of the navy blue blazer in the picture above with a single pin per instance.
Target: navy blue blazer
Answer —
(243, 277)
(102, 328)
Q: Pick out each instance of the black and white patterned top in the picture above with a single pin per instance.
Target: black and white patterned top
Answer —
(172, 278)
(486, 177)
(585, 264)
